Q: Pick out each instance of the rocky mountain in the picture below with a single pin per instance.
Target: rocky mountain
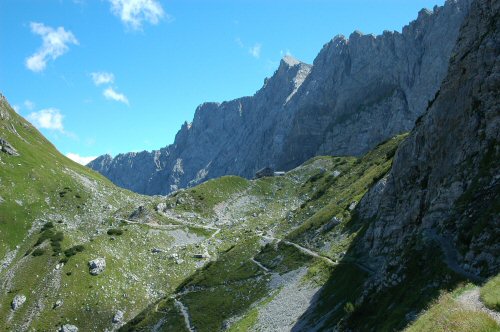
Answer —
(359, 92)
(402, 237)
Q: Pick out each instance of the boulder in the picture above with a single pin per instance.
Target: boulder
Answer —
(7, 148)
(18, 301)
(57, 304)
(68, 328)
(118, 317)
(97, 266)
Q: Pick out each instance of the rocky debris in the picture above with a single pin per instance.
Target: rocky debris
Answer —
(97, 266)
(7, 148)
(18, 301)
(118, 317)
(335, 173)
(68, 328)
(156, 250)
(360, 91)
(352, 206)
(161, 207)
(57, 304)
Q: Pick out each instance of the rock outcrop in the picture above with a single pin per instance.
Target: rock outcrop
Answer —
(359, 92)
(444, 184)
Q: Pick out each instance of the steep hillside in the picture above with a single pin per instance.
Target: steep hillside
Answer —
(359, 92)
(55, 217)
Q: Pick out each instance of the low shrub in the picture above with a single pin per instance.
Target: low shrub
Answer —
(38, 252)
(114, 231)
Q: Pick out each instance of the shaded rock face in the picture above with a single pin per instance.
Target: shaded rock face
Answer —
(445, 181)
(359, 92)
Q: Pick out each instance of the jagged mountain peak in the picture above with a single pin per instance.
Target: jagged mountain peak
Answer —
(358, 92)
(290, 61)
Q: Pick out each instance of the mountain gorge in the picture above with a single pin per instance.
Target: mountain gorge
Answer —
(387, 231)
(359, 92)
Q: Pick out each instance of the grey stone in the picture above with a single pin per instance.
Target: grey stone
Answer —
(118, 317)
(68, 328)
(97, 266)
(18, 301)
(7, 148)
(57, 304)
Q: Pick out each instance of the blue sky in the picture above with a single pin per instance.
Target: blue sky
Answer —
(111, 76)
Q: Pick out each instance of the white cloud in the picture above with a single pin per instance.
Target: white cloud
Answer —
(255, 50)
(111, 94)
(239, 42)
(285, 53)
(134, 12)
(102, 78)
(80, 159)
(55, 43)
(49, 118)
(16, 108)
(29, 105)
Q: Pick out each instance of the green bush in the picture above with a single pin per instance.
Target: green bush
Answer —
(47, 226)
(490, 293)
(115, 231)
(73, 250)
(349, 308)
(38, 252)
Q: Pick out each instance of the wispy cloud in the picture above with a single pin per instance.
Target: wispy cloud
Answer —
(255, 50)
(102, 78)
(239, 42)
(134, 12)
(55, 43)
(285, 53)
(111, 94)
(49, 118)
(16, 108)
(29, 105)
(80, 159)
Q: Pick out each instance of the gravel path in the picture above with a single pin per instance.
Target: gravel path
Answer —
(470, 300)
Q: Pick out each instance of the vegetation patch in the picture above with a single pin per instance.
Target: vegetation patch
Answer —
(445, 314)
(490, 293)
(38, 252)
(114, 231)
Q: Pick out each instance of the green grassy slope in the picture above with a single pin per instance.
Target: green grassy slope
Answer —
(54, 219)
(267, 226)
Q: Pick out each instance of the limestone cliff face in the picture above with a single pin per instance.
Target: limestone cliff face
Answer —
(359, 92)
(444, 185)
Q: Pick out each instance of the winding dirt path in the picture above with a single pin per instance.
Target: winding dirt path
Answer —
(471, 300)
